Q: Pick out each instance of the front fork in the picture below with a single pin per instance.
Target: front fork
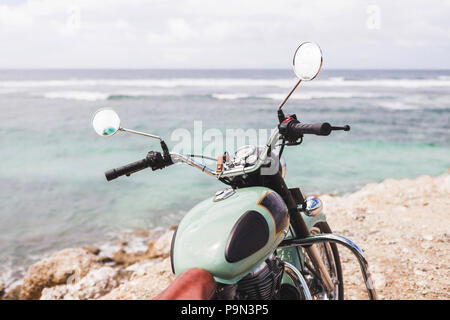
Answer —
(314, 255)
(309, 241)
(294, 197)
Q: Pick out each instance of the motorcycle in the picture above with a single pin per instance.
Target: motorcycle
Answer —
(257, 238)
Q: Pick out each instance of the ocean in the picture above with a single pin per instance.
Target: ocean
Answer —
(53, 193)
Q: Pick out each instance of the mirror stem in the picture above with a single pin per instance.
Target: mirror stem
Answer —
(141, 133)
(292, 91)
(166, 153)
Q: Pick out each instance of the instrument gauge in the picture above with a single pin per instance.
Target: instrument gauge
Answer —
(245, 151)
(251, 159)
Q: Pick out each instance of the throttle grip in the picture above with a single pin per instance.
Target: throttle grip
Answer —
(292, 130)
(320, 129)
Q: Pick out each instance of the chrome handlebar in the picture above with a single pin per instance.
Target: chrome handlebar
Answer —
(240, 170)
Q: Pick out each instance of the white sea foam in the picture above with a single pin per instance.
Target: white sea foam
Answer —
(397, 105)
(11, 274)
(336, 79)
(321, 95)
(441, 81)
(230, 96)
(385, 83)
(10, 90)
(158, 83)
(298, 95)
(77, 95)
(96, 96)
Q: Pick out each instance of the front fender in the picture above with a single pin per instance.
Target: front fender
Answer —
(311, 221)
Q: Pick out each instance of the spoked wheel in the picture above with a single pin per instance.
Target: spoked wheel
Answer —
(330, 257)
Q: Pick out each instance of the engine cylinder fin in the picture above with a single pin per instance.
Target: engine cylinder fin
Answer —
(264, 284)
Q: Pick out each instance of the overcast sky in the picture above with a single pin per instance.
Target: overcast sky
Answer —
(222, 34)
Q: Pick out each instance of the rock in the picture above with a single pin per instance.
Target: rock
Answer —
(142, 233)
(2, 291)
(160, 247)
(142, 268)
(144, 287)
(94, 285)
(359, 217)
(91, 249)
(12, 294)
(68, 265)
(406, 258)
(125, 259)
(121, 257)
(379, 281)
(106, 260)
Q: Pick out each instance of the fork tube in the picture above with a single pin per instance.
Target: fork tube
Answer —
(277, 183)
(313, 253)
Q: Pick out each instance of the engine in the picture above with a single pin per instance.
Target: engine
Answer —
(263, 283)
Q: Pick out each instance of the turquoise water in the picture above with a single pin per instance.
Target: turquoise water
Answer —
(53, 193)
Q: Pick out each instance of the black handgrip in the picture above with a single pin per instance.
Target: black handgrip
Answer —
(153, 160)
(127, 169)
(320, 129)
(344, 128)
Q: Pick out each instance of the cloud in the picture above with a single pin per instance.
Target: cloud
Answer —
(222, 34)
(12, 20)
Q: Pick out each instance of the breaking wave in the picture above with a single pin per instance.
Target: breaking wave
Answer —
(441, 81)
(96, 96)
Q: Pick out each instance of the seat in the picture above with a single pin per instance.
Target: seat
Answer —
(193, 284)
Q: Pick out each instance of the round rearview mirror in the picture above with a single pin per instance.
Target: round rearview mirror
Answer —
(307, 61)
(106, 122)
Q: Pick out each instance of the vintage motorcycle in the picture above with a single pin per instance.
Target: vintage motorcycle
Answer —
(257, 238)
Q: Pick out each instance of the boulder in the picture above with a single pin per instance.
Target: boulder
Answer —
(12, 294)
(142, 268)
(65, 266)
(146, 285)
(160, 248)
(95, 284)
(92, 249)
(121, 257)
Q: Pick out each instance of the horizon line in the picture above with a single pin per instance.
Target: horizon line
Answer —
(214, 69)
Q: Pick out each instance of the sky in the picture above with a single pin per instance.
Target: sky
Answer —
(353, 34)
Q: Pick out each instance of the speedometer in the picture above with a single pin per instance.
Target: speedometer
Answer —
(245, 151)
(251, 159)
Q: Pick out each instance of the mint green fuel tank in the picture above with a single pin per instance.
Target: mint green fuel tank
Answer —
(230, 234)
